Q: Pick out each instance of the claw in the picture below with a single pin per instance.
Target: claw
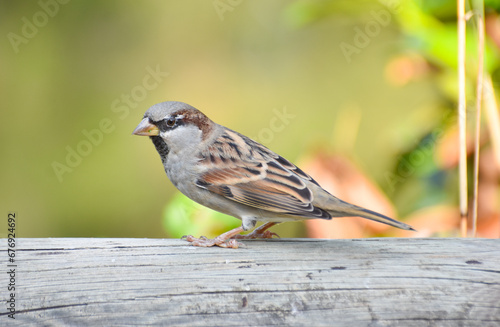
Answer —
(269, 234)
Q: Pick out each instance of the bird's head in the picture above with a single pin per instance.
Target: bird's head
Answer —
(174, 126)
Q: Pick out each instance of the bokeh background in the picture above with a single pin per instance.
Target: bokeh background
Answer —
(360, 94)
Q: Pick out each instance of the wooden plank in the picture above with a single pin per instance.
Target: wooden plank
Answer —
(294, 282)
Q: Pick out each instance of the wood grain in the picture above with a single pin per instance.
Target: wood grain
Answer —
(293, 282)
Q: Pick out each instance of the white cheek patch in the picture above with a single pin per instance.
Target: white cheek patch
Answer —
(175, 134)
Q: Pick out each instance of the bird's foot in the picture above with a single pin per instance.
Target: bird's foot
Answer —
(256, 234)
(259, 232)
(224, 240)
(207, 242)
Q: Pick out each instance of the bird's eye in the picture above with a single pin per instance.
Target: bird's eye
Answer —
(171, 122)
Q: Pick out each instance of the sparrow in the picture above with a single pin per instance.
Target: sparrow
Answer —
(233, 174)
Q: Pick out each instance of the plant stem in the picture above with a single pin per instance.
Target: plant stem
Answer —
(462, 163)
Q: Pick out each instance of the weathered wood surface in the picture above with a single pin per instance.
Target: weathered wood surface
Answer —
(375, 282)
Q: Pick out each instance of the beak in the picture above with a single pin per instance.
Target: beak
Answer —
(145, 128)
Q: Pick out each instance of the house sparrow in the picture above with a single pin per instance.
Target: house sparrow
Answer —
(231, 173)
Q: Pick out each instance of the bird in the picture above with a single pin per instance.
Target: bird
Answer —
(233, 174)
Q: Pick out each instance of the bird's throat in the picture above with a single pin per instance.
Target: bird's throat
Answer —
(160, 146)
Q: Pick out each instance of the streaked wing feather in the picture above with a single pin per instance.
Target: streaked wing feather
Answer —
(246, 172)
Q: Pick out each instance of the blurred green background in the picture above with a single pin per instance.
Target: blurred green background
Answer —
(67, 69)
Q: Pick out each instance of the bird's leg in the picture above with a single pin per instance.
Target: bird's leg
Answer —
(223, 240)
(259, 232)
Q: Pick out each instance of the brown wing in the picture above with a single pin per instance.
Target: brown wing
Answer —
(246, 172)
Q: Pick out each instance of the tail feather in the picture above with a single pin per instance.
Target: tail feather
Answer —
(350, 210)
